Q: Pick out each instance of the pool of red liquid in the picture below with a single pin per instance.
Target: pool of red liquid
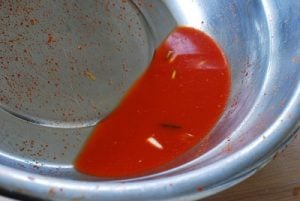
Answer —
(172, 106)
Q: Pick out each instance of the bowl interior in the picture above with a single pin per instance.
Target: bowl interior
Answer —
(66, 65)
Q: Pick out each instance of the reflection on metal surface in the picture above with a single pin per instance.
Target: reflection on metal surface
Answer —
(187, 12)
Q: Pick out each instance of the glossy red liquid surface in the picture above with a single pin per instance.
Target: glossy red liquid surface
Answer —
(168, 110)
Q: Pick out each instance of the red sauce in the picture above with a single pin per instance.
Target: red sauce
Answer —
(167, 111)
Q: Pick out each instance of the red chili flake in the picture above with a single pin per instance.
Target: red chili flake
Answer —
(50, 39)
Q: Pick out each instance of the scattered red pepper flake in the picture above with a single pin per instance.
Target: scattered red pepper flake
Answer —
(200, 189)
(34, 21)
(50, 39)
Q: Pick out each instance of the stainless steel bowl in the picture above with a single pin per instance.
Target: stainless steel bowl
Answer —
(64, 65)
